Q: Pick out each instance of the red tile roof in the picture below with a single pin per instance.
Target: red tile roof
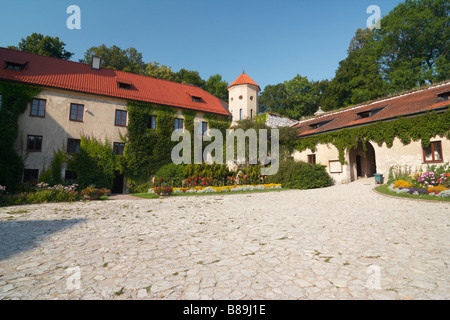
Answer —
(410, 103)
(244, 79)
(74, 76)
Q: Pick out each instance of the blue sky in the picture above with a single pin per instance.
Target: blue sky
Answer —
(273, 40)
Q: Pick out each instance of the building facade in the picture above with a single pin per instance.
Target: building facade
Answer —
(77, 100)
(369, 157)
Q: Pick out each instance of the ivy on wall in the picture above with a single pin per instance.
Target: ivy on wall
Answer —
(146, 149)
(14, 100)
(420, 128)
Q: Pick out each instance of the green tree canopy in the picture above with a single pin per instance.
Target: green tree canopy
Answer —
(191, 77)
(156, 70)
(414, 43)
(217, 87)
(128, 60)
(43, 45)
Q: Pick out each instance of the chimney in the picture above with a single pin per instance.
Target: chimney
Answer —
(319, 112)
(96, 62)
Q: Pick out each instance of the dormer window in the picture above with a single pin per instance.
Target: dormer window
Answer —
(15, 66)
(124, 85)
(196, 99)
(369, 113)
(443, 96)
(319, 124)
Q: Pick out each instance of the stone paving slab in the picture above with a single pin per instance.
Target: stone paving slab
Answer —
(341, 242)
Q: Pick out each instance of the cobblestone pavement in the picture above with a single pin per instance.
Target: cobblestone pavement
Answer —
(342, 242)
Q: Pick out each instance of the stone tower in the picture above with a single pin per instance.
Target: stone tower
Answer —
(243, 98)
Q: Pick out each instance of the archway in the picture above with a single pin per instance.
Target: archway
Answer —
(362, 164)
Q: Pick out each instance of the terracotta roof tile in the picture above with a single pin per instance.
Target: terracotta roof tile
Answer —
(243, 79)
(417, 101)
(80, 77)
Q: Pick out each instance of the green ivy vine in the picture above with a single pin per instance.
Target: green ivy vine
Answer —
(146, 149)
(14, 100)
(419, 128)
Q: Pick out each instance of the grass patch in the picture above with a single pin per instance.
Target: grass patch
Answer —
(384, 190)
(145, 195)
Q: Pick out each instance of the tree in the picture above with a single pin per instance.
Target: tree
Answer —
(358, 77)
(155, 70)
(303, 97)
(217, 87)
(273, 99)
(43, 45)
(128, 60)
(190, 77)
(414, 44)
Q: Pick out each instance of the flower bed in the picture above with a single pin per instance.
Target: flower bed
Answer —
(93, 193)
(429, 183)
(210, 189)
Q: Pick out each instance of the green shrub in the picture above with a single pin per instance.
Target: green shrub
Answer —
(301, 175)
(96, 164)
(218, 172)
(171, 174)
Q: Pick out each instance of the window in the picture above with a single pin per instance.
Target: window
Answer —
(76, 112)
(369, 113)
(121, 118)
(73, 145)
(15, 66)
(118, 148)
(178, 124)
(443, 96)
(312, 158)
(203, 128)
(30, 175)
(240, 114)
(433, 153)
(319, 124)
(196, 99)
(37, 108)
(123, 85)
(34, 143)
(240, 97)
(251, 113)
(70, 176)
(151, 122)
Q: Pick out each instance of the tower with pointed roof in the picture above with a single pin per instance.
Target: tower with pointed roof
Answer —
(243, 98)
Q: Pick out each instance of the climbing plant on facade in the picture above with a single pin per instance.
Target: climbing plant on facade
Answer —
(419, 128)
(14, 100)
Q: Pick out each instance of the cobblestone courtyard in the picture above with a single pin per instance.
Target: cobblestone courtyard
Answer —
(342, 242)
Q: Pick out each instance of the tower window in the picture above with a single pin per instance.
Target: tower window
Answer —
(240, 114)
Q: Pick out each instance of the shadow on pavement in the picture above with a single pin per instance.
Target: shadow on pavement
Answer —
(17, 236)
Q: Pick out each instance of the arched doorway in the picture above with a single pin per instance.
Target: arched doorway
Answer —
(362, 164)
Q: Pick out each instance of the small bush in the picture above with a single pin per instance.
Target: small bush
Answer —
(171, 174)
(301, 175)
